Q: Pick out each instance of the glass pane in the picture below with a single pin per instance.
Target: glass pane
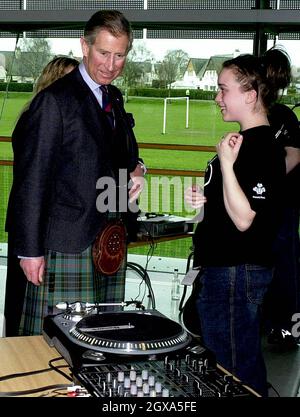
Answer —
(189, 116)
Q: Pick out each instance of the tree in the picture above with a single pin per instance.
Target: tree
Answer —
(138, 59)
(172, 67)
(32, 57)
(131, 73)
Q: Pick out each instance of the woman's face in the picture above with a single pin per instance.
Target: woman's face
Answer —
(231, 98)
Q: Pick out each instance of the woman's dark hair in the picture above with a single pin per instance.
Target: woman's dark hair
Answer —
(111, 20)
(278, 67)
(267, 74)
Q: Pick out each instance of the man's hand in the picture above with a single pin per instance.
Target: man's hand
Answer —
(33, 269)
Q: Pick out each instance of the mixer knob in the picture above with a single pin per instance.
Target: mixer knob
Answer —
(133, 390)
(153, 393)
(146, 388)
(132, 375)
(145, 374)
(120, 376)
(151, 381)
(165, 392)
(127, 382)
(157, 387)
(139, 382)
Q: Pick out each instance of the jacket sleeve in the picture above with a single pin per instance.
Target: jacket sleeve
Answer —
(36, 143)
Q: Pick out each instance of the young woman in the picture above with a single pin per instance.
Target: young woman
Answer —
(243, 199)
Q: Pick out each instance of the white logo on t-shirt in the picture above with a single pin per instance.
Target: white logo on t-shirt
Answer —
(259, 189)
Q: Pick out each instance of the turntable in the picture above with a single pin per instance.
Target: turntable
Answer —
(86, 334)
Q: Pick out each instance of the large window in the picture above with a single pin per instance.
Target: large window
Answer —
(179, 59)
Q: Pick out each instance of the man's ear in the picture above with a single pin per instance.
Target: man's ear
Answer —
(251, 96)
(84, 46)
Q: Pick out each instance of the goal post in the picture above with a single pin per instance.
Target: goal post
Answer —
(165, 111)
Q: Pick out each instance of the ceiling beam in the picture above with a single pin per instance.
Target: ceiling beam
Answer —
(273, 20)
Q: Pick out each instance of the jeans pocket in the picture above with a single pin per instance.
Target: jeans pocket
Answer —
(257, 280)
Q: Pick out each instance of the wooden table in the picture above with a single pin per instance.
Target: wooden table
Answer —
(25, 354)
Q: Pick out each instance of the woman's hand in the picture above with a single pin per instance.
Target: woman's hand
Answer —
(194, 196)
(229, 146)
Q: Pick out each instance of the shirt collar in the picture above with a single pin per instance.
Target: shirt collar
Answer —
(90, 82)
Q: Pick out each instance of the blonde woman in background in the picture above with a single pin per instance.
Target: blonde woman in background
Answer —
(55, 69)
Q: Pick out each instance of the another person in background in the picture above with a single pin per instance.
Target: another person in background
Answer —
(56, 68)
(242, 213)
(63, 144)
(283, 296)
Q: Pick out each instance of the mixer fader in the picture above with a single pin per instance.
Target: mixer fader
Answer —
(178, 377)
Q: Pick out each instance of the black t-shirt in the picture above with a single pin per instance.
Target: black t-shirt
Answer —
(286, 128)
(260, 171)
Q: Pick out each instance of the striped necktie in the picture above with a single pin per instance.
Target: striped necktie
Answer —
(107, 104)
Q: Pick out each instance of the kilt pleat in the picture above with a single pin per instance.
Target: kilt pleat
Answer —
(69, 278)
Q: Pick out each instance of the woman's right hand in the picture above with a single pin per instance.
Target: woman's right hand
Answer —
(194, 196)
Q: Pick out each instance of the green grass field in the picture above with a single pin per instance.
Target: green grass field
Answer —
(205, 128)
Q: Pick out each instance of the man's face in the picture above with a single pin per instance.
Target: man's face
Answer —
(105, 59)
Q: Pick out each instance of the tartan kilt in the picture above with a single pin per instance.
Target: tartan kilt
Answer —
(69, 278)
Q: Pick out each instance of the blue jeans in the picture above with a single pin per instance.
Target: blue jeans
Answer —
(229, 309)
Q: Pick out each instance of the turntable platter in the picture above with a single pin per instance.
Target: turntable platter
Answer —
(140, 332)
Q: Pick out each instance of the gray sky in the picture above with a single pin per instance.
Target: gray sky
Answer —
(196, 48)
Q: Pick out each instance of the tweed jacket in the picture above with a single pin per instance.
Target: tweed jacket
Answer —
(62, 145)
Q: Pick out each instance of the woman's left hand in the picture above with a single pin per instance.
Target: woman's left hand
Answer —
(229, 146)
